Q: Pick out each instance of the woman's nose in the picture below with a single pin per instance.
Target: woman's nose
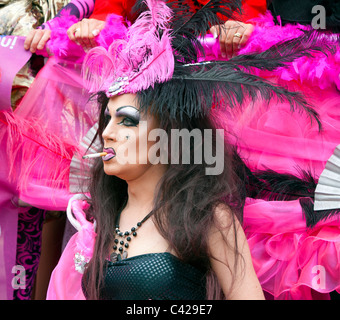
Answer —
(109, 132)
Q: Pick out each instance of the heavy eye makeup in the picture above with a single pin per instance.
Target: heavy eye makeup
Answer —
(129, 116)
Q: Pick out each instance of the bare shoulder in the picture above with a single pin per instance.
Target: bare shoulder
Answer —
(223, 215)
(230, 257)
(226, 225)
(226, 234)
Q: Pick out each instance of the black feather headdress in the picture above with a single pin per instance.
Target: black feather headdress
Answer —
(166, 67)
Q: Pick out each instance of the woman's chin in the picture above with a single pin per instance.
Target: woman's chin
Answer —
(111, 168)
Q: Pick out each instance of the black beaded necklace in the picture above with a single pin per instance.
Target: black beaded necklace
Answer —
(122, 244)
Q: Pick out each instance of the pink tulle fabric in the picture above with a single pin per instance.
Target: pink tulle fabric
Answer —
(65, 281)
(45, 132)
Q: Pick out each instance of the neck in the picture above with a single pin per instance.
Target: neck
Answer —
(141, 191)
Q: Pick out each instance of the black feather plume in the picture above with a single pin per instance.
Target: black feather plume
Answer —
(199, 22)
(195, 88)
(312, 216)
(187, 25)
(286, 51)
(274, 186)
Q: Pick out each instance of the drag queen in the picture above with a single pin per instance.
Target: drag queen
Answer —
(171, 216)
(155, 201)
(56, 103)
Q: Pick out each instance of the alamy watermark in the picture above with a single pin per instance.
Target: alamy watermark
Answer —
(319, 20)
(187, 147)
(319, 280)
(19, 279)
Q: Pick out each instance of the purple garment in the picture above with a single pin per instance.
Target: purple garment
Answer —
(12, 57)
(30, 223)
(8, 224)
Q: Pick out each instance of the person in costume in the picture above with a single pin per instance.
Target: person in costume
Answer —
(154, 243)
(66, 99)
(145, 227)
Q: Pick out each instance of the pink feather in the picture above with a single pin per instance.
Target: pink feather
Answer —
(45, 157)
(63, 48)
(141, 55)
(59, 44)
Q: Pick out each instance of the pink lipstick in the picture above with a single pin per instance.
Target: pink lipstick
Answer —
(110, 154)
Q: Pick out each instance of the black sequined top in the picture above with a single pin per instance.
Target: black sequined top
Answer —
(156, 276)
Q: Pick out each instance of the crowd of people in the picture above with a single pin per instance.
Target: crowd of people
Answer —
(263, 78)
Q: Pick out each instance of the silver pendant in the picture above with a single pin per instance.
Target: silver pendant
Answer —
(114, 257)
(125, 254)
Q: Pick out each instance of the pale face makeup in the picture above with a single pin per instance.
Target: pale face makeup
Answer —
(130, 118)
(126, 156)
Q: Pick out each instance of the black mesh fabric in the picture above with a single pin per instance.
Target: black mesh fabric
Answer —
(156, 276)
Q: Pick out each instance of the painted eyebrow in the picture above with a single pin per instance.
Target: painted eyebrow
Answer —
(124, 107)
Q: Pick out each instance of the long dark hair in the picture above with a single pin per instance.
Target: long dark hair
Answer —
(184, 204)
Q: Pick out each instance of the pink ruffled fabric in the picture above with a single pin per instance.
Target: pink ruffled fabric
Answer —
(65, 281)
(291, 261)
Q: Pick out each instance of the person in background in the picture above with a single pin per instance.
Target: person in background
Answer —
(235, 32)
(92, 21)
(91, 15)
